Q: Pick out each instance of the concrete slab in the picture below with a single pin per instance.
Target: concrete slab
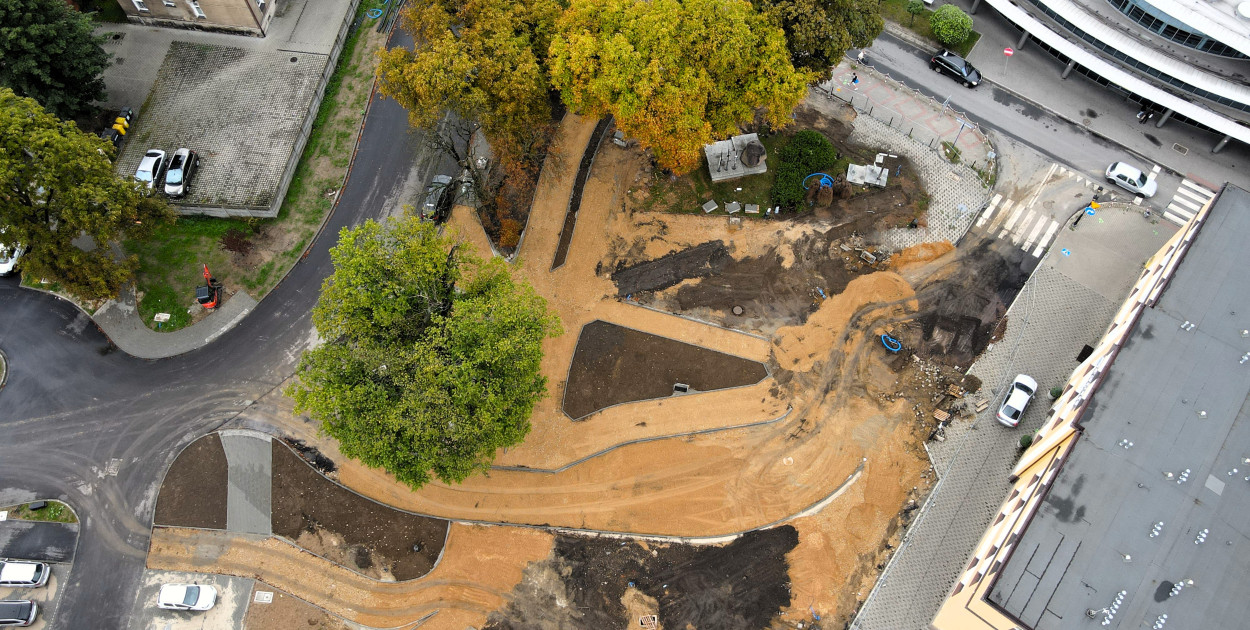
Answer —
(233, 597)
(250, 470)
(34, 540)
(118, 320)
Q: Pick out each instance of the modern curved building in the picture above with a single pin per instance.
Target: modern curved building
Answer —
(1184, 60)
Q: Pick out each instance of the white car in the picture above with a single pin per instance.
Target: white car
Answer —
(8, 257)
(23, 574)
(186, 597)
(151, 168)
(1132, 179)
(1017, 398)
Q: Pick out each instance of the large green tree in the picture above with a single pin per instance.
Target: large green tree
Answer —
(49, 53)
(819, 32)
(431, 360)
(674, 73)
(57, 186)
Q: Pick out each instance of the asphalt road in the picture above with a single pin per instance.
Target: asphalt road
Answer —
(73, 404)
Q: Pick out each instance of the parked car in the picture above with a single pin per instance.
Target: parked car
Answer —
(1131, 178)
(1017, 398)
(23, 574)
(438, 199)
(947, 62)
(182, 167)
(18, 612)
(8, 257)
(186, 597)
(151, 168)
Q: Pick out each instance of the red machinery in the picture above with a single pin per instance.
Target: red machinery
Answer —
(208, 296)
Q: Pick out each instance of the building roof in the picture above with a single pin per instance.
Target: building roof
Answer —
(1216, 19)
(1091, 539)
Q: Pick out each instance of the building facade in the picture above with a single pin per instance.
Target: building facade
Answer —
(249, 17)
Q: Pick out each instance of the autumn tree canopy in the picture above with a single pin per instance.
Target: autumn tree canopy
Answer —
(674, 73)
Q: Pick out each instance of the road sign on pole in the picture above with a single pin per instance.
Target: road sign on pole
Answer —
(1009, 52)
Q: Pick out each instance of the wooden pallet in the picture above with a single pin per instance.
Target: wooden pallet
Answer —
(941, 416)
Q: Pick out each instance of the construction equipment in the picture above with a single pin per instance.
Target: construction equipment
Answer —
(209, 296)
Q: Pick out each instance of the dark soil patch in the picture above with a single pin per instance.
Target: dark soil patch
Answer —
(313, 456)
(655, 275)
(305, 501)
(613, 364)
(740, 586)
(579, 184)
(194, 491)
(964, 311)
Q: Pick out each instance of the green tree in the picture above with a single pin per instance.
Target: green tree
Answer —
(674, 73)
(819, 32)
(914, 8)
(57, 186)
(432, 356)
(49, 53)
(950, 25)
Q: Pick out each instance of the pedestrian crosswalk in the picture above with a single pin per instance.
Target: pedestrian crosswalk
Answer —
(1027, 228)
(1187, 201)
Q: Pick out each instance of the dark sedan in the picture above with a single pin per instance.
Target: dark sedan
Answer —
(947, 62)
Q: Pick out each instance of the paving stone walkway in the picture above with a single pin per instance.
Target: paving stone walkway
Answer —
(249, 458)
(1062, 307)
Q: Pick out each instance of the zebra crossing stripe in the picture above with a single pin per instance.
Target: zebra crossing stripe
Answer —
(989, 210)
(1041, 245)
(1024, 225)
(1197, 188)
(1014, 217)
(1033, 235)
(1007, 204)
(1175, 219)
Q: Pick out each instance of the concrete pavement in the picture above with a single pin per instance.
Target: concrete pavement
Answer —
(1067, 302)
(119, 320)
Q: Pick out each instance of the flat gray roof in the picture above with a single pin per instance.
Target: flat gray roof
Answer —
(1175, 401)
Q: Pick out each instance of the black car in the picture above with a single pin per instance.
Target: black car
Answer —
(19, 612)
(438, 199)
(948, 62)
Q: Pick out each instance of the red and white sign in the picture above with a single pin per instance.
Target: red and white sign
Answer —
(1009, 52)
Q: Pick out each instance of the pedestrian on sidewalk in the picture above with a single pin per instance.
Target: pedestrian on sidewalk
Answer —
(855, 80)
(860, 56)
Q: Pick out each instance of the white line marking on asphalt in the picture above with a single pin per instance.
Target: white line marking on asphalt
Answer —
(989, 210)
(1024, 225)
(1014, 216)
(1033, 235)
(1041, 245)
(1007, 204)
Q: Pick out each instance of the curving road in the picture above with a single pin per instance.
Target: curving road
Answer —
(73, 404)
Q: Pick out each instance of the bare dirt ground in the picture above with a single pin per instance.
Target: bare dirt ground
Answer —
(839, 413)
(194, 491)
(287, 612)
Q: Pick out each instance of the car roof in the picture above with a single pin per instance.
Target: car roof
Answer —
(15, 607)
(17, 571)
(1124, 167)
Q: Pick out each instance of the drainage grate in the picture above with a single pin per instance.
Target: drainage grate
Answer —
(1181, 149)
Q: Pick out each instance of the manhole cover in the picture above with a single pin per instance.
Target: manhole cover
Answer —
(294, 59)
(1181, 149)
(738, 310)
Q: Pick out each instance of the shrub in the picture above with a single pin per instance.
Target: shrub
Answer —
(914, 8)
(807, 152)
(950, 25)
(1055, 392)
(1025, 441)
(509, 232)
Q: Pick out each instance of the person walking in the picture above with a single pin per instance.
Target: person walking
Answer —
(855, 80)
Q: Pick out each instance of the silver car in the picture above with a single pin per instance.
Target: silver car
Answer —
(182, 168)
(23, 574)
(151, 167)
(1132, 179)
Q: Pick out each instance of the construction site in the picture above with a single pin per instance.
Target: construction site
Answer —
(733, 437)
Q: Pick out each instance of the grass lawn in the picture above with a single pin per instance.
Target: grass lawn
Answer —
(55, 511)
(169, 262)
(686, 194)
(896, 11)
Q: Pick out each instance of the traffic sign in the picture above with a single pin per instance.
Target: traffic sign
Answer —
(1009, 52)
(1089, 211)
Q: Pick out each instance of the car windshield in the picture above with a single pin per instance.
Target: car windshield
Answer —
(144, 174)
(1011, 412)
(193, 595)
(173, 176)
(1141, 180)
(1025, 388)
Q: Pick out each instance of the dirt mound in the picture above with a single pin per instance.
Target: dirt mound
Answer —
(696, 262)
(614, 364)
(597, 582)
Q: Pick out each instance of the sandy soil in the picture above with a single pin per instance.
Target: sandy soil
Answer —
(287, 612)
(479, 566)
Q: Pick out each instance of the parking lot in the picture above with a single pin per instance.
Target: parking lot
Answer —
(232, 601)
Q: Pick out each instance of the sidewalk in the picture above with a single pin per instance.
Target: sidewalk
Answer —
(119, 319)
(1068, 302)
